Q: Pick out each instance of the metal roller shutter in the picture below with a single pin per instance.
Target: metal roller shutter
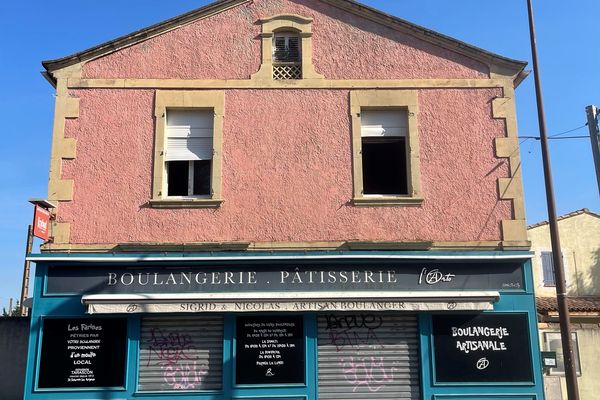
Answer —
(384, 123)
(181, 353)
(362, 356)
(189, 135)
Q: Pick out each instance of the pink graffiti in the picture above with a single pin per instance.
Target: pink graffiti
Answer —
(184, 377)
(369, 372)
(173, 352)
(169, 348)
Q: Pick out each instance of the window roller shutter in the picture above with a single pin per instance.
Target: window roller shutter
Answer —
(189, 135)
(190, 118)
(181, 353)
(362, 356)
(189, 149)
(384, 123)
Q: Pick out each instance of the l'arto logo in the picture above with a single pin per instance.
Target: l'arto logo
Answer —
(434, 276)
(482, 363)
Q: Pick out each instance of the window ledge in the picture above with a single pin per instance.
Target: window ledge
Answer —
(185, 203)
(367, 201)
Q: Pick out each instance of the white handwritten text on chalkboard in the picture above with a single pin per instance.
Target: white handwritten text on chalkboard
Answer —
(468, 346)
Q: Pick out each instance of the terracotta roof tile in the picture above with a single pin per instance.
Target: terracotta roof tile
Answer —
(576, 304)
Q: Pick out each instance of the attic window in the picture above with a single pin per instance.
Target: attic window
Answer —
(287, 49)
(287, 59)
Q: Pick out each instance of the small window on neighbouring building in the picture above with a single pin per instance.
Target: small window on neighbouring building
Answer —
(189, 152)
(548, 269)
(554, 343)
(287, 56)
(383, 141)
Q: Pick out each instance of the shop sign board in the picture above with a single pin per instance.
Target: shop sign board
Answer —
(41, 223)
(482, 348)
(371, 277)
(270, 350)
(83, 353)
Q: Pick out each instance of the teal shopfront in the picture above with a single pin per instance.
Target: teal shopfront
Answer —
(311, 325)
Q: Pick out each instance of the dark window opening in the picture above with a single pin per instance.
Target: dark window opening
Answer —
(202, 177)
(384, 166)
(179, 182)
(287, 48)
(178, 172)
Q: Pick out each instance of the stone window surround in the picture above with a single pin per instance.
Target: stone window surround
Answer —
(186, 99)
(281, 23)
(383, 99)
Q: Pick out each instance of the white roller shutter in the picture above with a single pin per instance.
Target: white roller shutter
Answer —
(362, 356)
(181, 353)
(384, 123)
(189, 135)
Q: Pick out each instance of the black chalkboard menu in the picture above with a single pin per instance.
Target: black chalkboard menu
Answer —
(482, 348)
(270, 350)
(83, 353)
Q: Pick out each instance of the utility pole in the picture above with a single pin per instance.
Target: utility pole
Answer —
(592, 117)
(26, 269)
(559, 270)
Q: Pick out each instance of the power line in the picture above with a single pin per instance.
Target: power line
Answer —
(569, 131)
(571, 137)
(553, 137)
(556, 135)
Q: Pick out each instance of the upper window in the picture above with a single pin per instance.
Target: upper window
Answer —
(548, 269)
(385, 147)
(189, 152)
(286, 49)
(187, 155)
(287, 61)
(383, 141)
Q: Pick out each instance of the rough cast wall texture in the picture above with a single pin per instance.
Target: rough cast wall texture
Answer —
(228, 46)
(287, 173)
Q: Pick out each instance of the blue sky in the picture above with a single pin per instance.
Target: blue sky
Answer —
(33, 31)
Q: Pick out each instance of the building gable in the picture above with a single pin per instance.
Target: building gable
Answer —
(222, 41)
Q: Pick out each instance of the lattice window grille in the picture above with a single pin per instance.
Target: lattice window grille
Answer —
(290, 71)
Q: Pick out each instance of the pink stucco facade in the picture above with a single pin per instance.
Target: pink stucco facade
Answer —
(287, 153)
(227, 46)
(287, 175)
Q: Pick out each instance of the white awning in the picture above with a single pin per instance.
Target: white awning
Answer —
(290, 302)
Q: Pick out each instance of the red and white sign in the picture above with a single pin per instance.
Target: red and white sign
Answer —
(41, 223)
